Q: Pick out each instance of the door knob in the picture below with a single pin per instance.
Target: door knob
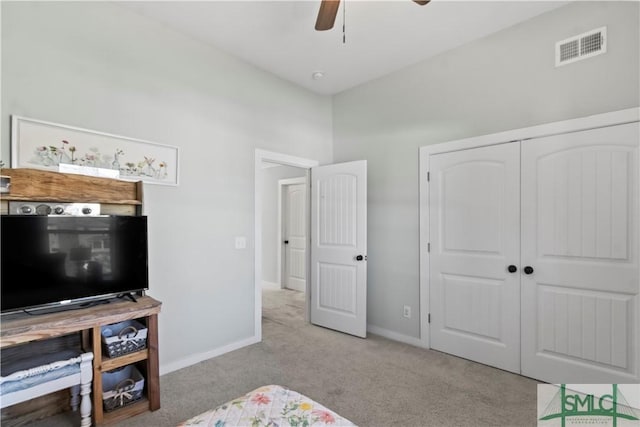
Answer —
(359, 257)
(528, 270)
(286, 242)
(512, 269)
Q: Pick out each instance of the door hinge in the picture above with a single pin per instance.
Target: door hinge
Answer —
(428, 176)
(429, 318)
(428, 247)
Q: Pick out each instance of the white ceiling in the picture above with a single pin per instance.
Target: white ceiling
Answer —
(381, 36)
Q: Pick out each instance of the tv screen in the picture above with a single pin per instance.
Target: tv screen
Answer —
(56, 260)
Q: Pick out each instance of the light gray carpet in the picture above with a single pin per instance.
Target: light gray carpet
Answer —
(372, 382)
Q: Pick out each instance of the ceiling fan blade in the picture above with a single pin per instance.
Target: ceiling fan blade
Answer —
(421, 2)
(327, 14)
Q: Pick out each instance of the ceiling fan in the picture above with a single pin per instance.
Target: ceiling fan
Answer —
(329, 10)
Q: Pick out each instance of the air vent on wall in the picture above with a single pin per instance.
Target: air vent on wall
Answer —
(582, 46)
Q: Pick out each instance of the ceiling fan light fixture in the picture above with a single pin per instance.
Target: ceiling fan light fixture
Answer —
(317, 75)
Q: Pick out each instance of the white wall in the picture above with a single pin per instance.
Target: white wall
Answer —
(270, 210)
(100, 66)
(504, 81)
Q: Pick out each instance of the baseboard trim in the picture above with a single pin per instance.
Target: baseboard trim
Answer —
(197, 358)
(395, 336)
(270, 285)
(200, 357)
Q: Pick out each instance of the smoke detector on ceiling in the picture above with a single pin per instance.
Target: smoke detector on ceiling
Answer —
(582, 46)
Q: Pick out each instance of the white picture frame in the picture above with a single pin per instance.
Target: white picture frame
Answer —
(45, 145)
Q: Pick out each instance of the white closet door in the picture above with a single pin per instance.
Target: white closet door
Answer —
(475, 235)
(580, 236)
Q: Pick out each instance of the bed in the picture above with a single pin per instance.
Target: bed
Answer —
(269, 406)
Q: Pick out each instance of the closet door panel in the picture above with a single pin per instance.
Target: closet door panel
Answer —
(580, 236)
(474, 226)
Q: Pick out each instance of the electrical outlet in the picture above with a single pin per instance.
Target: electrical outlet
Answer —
(406, 312)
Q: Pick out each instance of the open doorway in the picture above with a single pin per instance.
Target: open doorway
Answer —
(338, 217)
(284, 243)
(279, 179)
(284, 213)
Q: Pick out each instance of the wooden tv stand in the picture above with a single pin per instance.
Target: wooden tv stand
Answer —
(116, 197)
(22, 328)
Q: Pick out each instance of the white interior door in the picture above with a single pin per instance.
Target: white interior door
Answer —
(339, 247)
(475, 237)
(580, 319)
(295, 237)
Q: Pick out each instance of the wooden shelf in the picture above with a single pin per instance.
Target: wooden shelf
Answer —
(109, 364)
(128, 411)
(18, 198)
(40, 185)
(21, 328)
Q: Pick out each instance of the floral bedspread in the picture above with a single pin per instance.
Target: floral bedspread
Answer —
(269, 406)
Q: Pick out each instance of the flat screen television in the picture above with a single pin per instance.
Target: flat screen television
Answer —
(50, 261)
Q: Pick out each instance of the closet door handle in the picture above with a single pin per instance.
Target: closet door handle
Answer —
(286, 242)
(528, 270)
(512, 268)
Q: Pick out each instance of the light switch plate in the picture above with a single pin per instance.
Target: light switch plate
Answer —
(241, 242)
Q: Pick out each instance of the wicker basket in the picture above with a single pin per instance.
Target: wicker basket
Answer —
(124, 337)
(121, 387)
